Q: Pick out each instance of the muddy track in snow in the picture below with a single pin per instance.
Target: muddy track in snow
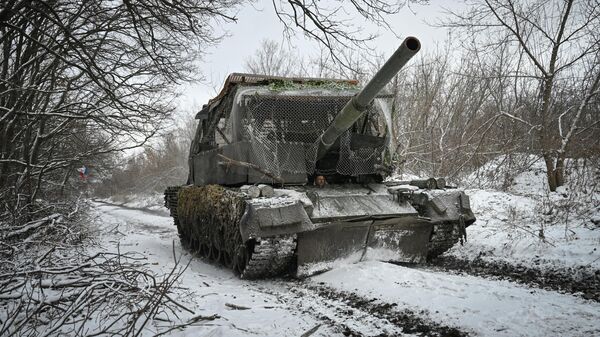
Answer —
(581, 282)
(356, 316)
(140, 209)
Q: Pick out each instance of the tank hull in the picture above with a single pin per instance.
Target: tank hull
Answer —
(305, 230)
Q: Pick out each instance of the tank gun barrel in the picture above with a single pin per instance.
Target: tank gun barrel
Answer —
(359, 103)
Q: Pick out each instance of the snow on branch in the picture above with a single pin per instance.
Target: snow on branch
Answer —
(56, 287)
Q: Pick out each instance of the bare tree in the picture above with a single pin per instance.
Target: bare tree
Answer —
(557, 45)
(334, 25)
(162, 162)
(439, 114)
(81, 80)
(56, 288)
(273, 60)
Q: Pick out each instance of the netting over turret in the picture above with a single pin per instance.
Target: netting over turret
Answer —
(282, 128)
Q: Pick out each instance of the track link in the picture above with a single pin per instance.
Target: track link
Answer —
(270, 257)
(444, 237)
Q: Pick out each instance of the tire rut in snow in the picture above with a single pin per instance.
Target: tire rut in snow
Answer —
(406, 320)
(353, 315)
(337, 315)
(582, 282)
(139, 209)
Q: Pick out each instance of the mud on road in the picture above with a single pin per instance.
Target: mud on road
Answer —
(356, 316)
(581, 281)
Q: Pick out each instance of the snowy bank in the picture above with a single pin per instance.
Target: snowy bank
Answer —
(528, 225)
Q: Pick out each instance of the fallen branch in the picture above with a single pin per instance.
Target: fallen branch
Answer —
(236, 307)
(115, 289)
(191, 321)
(311, 331)
(31, 226)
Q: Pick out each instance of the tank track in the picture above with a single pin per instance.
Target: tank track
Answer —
(171, 200)
(271, 257)
(444, 237)
(212, 232)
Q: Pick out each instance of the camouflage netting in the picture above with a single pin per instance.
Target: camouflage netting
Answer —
(208, 221)
(283, 127)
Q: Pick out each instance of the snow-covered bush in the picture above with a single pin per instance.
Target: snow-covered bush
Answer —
(52, 282)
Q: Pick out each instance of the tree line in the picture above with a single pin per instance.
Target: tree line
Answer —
(81, 81)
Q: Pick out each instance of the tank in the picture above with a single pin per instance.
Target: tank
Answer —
(286, 176)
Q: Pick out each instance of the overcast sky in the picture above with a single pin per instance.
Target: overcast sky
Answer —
(258, 23)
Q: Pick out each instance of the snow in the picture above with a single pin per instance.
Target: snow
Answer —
(295, 195)
(274, 202)
(530, 226)
(508, 229)
(499, 173)
(275, 308)
(152, 201)
(204, 288)
(518, 222)
(402, 176)
(313, 268)
(484, 307)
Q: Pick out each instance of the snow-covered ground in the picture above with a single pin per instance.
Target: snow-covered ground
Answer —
(472, 305)
(508, 228)
(153, 201)
(204, 288)
(528, 225)
(518, 223)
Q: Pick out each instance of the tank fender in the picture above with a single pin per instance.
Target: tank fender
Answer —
(301, 196)
(445, 205)
(265, 217)
(465, 201)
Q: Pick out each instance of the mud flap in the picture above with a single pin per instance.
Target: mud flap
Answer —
(399, 240)
(396, 239)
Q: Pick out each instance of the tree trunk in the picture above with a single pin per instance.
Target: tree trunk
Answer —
(64, 181)
(555, 171)
(560, 170)
(550, 172)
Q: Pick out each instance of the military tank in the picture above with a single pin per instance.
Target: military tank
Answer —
(286, 176)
